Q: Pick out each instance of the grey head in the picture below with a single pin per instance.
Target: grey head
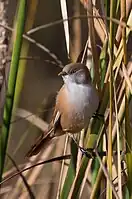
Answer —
(77, 73)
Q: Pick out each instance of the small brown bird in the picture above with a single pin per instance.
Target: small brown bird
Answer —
(76, 103)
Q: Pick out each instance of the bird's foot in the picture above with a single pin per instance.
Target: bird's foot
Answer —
(98, 115)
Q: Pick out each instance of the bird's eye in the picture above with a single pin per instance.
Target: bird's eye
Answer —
(73, 71)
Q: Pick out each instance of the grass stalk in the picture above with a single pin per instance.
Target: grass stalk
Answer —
(93, 44)
(32, 8)
(127, 121)
(118, 146)
(111, 48)
(11, 84)
(30, 17)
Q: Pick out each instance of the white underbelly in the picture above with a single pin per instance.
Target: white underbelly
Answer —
(84, 99)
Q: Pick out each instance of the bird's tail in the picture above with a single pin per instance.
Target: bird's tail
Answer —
(42, 142)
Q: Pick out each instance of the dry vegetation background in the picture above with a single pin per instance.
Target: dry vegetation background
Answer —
(45, 51)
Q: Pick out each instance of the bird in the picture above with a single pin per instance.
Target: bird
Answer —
(76, 102)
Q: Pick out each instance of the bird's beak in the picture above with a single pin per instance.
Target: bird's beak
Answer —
(62, 73)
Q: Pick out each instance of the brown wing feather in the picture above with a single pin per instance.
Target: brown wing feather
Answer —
(44, 140)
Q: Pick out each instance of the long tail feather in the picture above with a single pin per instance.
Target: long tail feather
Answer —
(42, 142)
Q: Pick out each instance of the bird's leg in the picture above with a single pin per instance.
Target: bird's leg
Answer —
(88, 152)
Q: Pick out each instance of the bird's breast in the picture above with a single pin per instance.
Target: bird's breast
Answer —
(84, 98)
(77, 104)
